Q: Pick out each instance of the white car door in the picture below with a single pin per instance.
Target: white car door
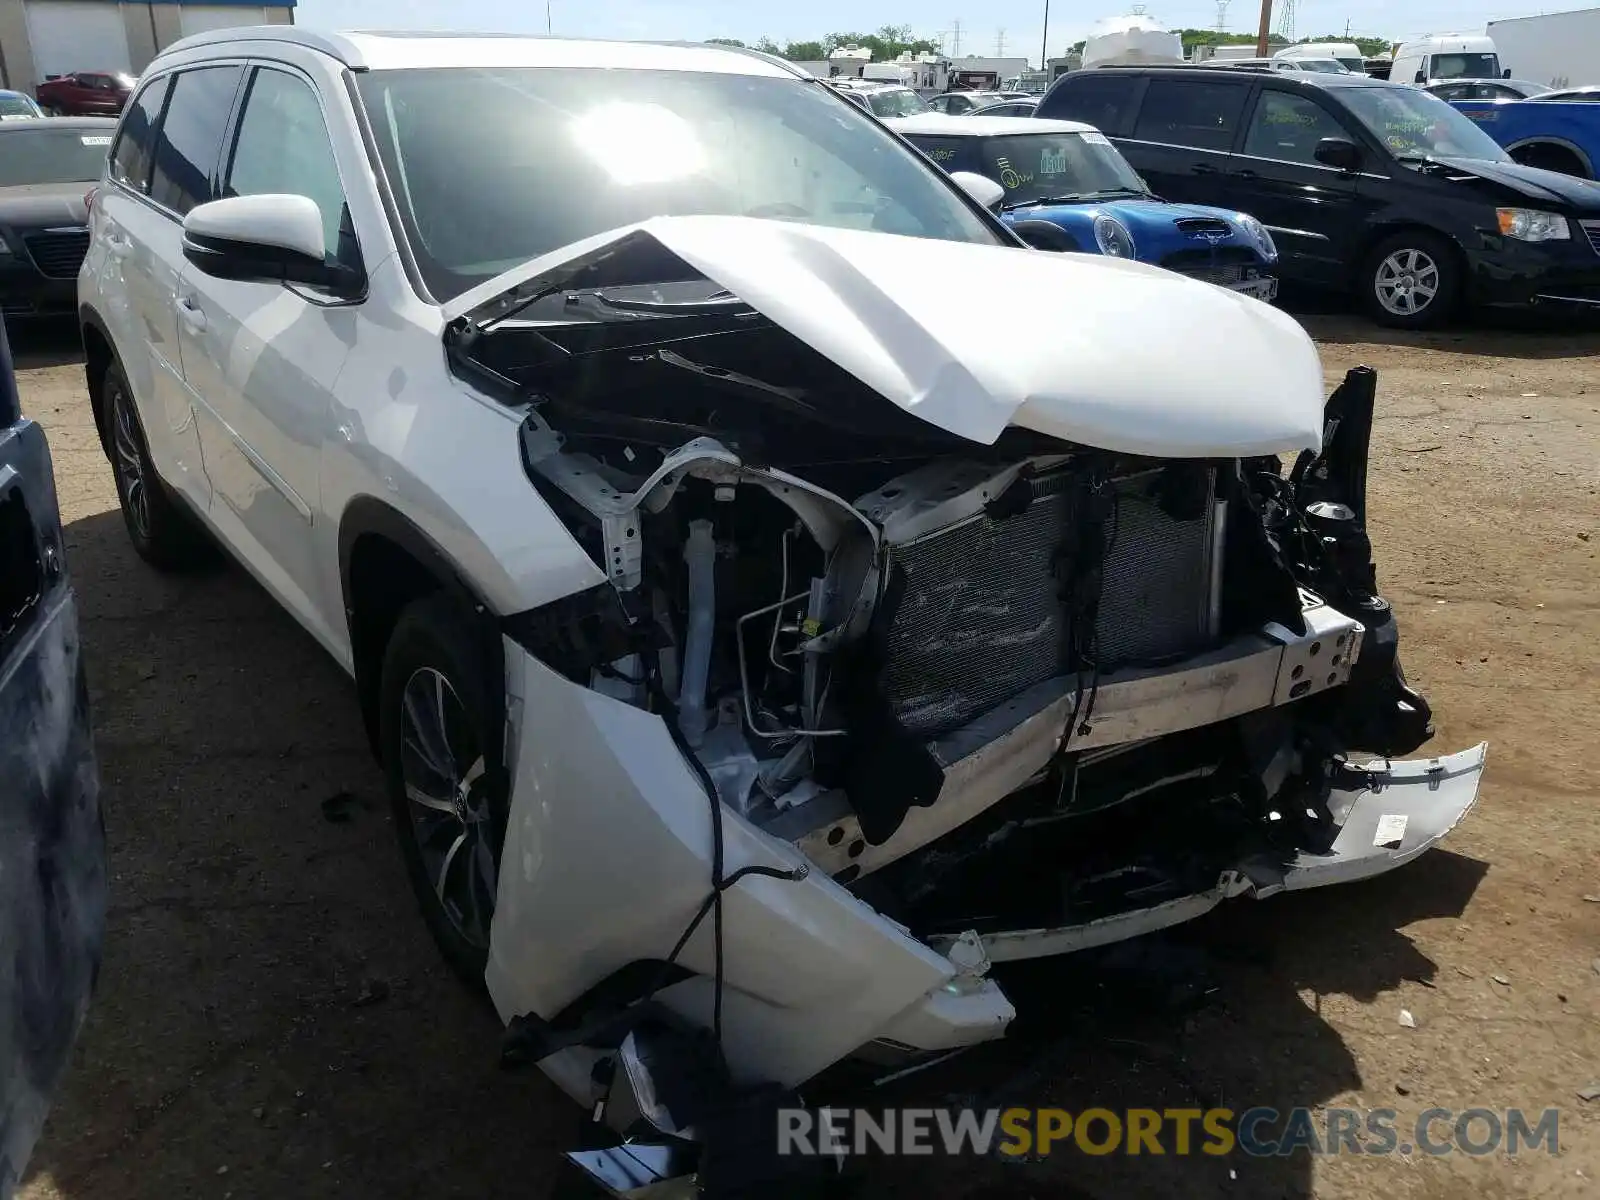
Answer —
(137, 254)
(262, 357)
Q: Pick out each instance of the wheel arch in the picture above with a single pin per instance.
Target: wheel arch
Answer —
(1564, 145)
(387, 561)
(99, 352)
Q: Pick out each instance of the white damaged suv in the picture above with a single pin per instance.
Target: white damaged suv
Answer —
(754, 641)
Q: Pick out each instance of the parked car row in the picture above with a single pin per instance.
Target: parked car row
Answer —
(757, 645)
(1370, 187)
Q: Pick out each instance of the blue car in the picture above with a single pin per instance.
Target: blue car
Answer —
(1070, 176)
(1558, 135)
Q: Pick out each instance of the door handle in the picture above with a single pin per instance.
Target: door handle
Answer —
(120, 247)
(191, 316)
(1204, 169)
(1247, 173)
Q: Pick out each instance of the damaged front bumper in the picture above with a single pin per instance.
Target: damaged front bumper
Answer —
(609, 848)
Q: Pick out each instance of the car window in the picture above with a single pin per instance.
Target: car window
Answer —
(16, 106)
(1453, 91)
(1287, 126)
(130, 157)
(951, 153)
(190, 138)
(42, 152)
(897, 102)
(573, 152)
(1181, 113)
(282, 145)
(1103, 99)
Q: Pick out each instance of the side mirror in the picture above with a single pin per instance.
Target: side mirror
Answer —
(1338, 152)
(980, 187)
(1506, 74)
(265, 239)
(1422, 77)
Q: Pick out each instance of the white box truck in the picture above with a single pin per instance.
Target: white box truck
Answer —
(1559, 49)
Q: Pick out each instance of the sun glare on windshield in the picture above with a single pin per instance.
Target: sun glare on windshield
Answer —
(639, 143)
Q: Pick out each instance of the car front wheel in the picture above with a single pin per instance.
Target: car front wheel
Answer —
(1412, 280)
(449, 803)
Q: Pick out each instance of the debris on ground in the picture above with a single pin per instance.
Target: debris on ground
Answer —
(1407, 1019)
(1589, 1091)
(373, 991)
(337, 807)
(1501, 980)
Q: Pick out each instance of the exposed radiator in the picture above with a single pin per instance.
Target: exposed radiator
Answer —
(981, 618)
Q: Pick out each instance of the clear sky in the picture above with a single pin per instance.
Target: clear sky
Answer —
(982, 21)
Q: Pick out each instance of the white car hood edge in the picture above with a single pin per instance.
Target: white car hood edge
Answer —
(972, 338)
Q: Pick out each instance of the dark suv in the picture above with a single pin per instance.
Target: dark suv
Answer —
(1368, 186)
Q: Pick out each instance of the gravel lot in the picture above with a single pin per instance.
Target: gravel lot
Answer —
(272, 1020)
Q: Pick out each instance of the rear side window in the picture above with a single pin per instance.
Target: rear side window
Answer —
(1181, 113)
(1104, 100)
(190, 139)
(130, 157)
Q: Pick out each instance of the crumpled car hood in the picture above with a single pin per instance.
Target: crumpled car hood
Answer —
(973, 338)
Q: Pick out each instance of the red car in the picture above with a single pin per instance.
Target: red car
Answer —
(85, 94)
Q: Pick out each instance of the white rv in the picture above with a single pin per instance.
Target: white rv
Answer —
(1446, 56)
(1130, 40)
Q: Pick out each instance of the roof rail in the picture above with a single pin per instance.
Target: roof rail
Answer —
(332, 44)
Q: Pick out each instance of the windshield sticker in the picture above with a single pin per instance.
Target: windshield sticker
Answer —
(1053, 160)
(1095, 138)
(941, 155)
(1011, 178)
(96, 139)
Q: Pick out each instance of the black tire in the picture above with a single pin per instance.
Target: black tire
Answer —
(432, 656)
(1412, 280)
(163, 533)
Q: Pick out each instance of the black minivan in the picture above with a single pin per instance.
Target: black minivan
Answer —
(1366, 185)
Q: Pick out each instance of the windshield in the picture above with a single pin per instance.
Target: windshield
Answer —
(1416, 124)
(1465, 66)
(1356, 66)
(1327, 66)
(1036, 167)
(16, 106)
(573, 152)
(897, 102)
(30, 154)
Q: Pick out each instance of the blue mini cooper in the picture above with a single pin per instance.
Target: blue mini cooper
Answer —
(1072, 177)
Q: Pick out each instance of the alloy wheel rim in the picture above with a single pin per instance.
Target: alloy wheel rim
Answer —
(1407, 282)
(443, 771)
(130, 464)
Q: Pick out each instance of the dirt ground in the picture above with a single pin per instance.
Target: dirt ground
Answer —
(272, 1020)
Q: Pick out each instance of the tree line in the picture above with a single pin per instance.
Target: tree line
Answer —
(890, 41)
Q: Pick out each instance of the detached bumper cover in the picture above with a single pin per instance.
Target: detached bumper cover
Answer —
(1400, 810)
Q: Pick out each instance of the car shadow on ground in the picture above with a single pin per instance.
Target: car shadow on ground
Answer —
(1225, 1013)
(44, 342)
(1538, 333)
(272, 1019)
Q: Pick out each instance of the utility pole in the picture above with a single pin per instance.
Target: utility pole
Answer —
(955, 33)
(1000, 43)
(1222, 15)
(1265, 29)
(1044, 46)
(549, 27)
